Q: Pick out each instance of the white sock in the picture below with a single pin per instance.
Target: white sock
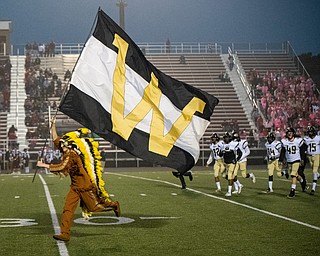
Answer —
(235, 186)
(218, 185)
(314, 184)
(270, 184)
(229, 188)
(238, 183)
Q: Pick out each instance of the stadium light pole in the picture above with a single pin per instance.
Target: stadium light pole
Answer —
(122, 4)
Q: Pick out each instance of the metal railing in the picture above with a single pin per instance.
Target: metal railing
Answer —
(178, 48)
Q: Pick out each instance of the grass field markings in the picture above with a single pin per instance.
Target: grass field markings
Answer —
(63, 251)
(16, 197)
(51, 196)
(143, 195)
(174, 194)
(257, 209)
(224, 199)
(91, 221)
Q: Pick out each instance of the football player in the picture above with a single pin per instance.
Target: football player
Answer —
(273, 153)
(292, 152)
(312, 141)
(242, 160)
(215, 155)
(230, 152)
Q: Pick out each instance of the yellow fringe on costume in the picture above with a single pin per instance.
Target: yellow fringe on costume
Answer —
(87, 148)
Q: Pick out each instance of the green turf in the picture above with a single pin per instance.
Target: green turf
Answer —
(204, 222)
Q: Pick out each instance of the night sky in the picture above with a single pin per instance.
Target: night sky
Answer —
(154, 21)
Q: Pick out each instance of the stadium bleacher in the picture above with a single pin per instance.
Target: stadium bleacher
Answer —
(201, 70)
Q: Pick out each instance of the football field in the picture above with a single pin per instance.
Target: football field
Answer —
(158, 218)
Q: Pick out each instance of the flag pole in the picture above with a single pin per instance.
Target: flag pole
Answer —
(44, 145)
(63, 96)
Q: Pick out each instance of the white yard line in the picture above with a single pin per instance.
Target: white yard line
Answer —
(63, 251)
(222, 199)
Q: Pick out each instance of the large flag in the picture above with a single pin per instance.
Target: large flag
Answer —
(119, 95)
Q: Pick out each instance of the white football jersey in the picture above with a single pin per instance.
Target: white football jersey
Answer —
(216, 150)
(244, 147)
(313, 145)
(273, 149)
(292, 149)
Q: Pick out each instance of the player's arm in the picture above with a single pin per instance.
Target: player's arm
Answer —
(210, 159)
(282, 155)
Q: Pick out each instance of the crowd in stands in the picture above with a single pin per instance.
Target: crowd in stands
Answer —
(18, 161)
(230, 125)
(41, 49)
(286, 100)
(40, 85)
(5, 80)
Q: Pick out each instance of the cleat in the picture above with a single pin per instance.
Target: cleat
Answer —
(286, 174)
(305, 189)
(291, 194)
(269, 190)
(304, 185)
(114, 206)
(228, 194)
(253, 178)
(240, 188)
(235, 192)
(312, 192)
(218, 190)
(62, 237)
(190, 176)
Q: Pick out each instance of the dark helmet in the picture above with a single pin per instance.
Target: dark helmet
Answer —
(311, 131)
(215, 136)
(271, 137)
(227, 137)
(289, 130)
(235, 136)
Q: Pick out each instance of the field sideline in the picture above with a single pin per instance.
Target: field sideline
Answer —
(158, 218)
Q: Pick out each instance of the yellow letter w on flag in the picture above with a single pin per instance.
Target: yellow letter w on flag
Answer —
(158, 143)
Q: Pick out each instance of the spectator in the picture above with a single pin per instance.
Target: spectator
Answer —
(1, 160)
(182, 59)
(12, 136)
(168, 46)
(67, 75)
(231, 62)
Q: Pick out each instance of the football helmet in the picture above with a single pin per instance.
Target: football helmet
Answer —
(271, 137)
(311, 131)
(215, 136)
(235, 136)
(227, 137)
(290, 133)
